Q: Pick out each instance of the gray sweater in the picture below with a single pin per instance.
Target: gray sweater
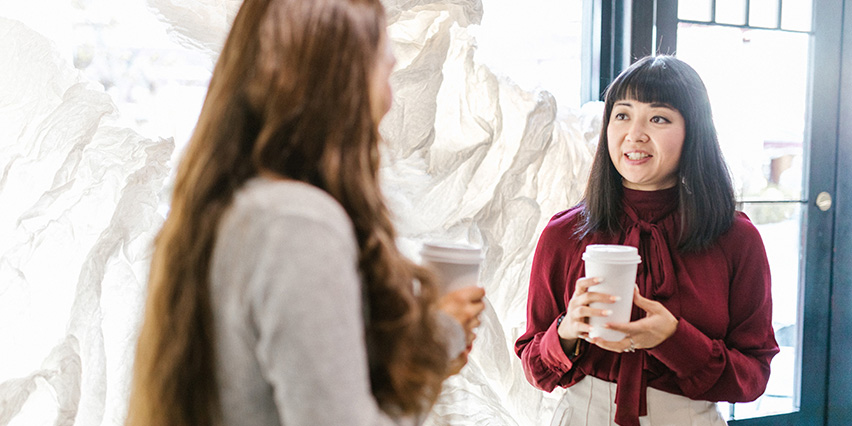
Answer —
(287, 306)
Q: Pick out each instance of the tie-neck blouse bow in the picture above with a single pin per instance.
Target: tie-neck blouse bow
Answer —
(652, 226)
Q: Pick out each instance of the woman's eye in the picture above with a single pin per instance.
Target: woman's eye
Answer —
(621, 116)
(660, 120)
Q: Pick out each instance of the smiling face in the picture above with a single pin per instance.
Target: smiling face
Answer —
(645, 142)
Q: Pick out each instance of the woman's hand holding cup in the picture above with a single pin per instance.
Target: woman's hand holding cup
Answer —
(464, 305)
(654, 328)
(576, 323)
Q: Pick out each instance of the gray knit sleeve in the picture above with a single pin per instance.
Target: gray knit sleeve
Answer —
(311, 342)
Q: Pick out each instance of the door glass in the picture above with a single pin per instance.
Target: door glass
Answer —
(763, 13)
(796, 15)
(731, 12)
(757, 81)
(695, 10)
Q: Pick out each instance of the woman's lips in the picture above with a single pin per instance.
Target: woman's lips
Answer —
(637, 157)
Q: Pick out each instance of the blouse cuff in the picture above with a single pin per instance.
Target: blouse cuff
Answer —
(684, 362)
(552, 352)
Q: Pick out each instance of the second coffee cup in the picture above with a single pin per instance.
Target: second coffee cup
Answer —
(616, 266)
(457, 265)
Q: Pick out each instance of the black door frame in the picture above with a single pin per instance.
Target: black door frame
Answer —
(622, 31)
(840, 353)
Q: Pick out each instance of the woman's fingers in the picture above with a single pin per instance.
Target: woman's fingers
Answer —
(473, 310)
(465, 305)
(579, 309)
(585, 294)
(474, 305)
(583, 285)
(623, 345)
(580, 305)
(631, 328)
(471, 293)
(457, 364)
(470, 336)
(646, 305)
(583, 312)
(474, 322)
(648, 332)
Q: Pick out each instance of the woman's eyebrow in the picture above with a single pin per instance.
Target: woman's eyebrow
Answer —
(661, 105)
(623, 103)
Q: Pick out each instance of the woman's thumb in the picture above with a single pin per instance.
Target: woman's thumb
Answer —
(646, 305)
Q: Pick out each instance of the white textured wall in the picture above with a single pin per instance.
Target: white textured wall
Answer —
(78, 198)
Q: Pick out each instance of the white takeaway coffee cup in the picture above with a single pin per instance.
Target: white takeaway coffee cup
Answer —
(616, 266)
(457, 265)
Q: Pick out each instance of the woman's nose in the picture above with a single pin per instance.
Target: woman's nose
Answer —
(636, 132)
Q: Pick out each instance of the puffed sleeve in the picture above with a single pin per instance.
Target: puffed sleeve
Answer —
(735, 368)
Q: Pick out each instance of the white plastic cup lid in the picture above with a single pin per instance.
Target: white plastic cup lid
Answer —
(611, 253)
(451, 252)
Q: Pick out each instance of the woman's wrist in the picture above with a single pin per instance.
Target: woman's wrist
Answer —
(570, 346)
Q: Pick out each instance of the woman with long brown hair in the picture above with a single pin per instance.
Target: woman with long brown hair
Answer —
(277, 294)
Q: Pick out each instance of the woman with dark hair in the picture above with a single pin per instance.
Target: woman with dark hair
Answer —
(701, 327)
(277, 295)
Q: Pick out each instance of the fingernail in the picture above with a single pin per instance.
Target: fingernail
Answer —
(597, 280)
(606, 312)
(615, 298)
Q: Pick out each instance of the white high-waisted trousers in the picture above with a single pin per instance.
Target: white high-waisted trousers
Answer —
(590, 402)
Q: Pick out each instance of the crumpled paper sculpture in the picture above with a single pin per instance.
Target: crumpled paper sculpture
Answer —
(78, 210)
(467, 157)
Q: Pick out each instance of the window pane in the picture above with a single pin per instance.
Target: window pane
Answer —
(757, 81)
(731, 12)
(695, 10)
(536, 43)
(763, 13)
(796, 15)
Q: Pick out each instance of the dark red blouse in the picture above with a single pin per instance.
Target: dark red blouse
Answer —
(721, 296)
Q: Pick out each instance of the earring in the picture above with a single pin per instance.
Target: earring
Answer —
(685, 186)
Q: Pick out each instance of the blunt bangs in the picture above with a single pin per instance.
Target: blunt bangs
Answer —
(660, 80)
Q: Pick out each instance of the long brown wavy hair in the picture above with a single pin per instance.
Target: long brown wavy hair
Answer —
(289, 96)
